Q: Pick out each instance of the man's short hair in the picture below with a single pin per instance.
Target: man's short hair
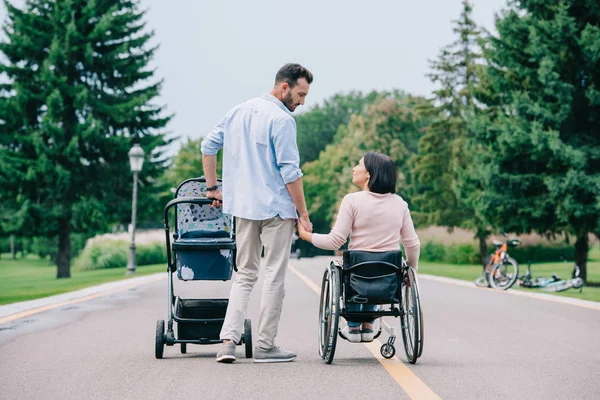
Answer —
(291, 72)
(382, 173)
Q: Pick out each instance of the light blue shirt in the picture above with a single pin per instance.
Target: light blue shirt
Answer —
(260, 156)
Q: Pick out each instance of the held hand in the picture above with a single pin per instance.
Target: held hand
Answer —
(301, 231)
(306, 224)
(217, 195)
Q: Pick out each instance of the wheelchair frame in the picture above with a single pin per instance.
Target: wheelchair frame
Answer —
(333, 305)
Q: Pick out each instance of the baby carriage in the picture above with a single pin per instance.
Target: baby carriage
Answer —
(203, 248)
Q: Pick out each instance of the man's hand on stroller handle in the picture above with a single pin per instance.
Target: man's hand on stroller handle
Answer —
(217, 195)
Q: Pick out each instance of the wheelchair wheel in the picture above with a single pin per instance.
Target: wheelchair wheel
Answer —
(387, 350)
(329, 314)
(183, 348)
(421, 329)
(410, 319)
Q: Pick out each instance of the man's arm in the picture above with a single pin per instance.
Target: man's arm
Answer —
(211, 145)
(297, 192)
(288, 161)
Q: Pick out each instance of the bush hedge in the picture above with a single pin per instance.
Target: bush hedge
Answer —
(114, 254)
(466, 253)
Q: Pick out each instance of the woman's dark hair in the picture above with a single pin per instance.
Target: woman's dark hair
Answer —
(290, 73)
(382, 170)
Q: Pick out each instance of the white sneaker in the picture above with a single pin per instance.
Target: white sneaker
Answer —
(367, 335)
(352, 336)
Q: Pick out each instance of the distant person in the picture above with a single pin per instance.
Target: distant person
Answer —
(262, 189)
(376, 219)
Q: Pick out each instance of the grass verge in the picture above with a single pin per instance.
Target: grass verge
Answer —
(563, 270)
(32, 278)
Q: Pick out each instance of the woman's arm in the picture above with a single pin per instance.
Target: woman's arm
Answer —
(410, 240)
(338, 235)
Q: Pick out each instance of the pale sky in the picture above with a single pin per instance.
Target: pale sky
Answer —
(216, 54)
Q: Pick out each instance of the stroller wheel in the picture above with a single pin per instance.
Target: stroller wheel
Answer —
(183, 348)
(160, 339)
(248, 338)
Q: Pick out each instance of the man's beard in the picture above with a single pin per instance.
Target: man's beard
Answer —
(288, 102)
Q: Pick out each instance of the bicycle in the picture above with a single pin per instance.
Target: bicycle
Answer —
(501, 271)
(554, 284)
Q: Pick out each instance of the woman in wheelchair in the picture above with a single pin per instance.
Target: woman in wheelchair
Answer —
(376, 219)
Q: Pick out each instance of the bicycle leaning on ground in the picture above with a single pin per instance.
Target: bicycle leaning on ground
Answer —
(554, 284)
(501, 271)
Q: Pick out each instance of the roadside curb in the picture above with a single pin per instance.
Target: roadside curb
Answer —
(10, 312)
(540, 296)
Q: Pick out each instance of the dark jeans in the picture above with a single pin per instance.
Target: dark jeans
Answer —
(360, 307)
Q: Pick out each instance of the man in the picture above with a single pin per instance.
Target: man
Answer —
(262, 188)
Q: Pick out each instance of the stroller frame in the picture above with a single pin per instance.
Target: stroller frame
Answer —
(198, 320)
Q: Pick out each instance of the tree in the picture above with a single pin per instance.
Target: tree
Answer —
(390, 125)
(537, 146)
(79, 93)
(188, 164)
(442, 192)
(318, 126)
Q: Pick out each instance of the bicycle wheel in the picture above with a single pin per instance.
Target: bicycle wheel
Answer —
(329, 315)
(410, 319)
(504, 274)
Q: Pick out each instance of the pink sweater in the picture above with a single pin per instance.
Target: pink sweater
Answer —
(375, 222)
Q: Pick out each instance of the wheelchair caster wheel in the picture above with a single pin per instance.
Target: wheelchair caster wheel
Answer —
(388, 350)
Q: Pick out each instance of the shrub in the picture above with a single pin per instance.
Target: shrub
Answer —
(432, 251)
(102, 254)
(462, 254)
(541, 253)
(148, 254)
(466, 253)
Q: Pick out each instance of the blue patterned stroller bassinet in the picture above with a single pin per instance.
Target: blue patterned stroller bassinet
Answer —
(204, 244)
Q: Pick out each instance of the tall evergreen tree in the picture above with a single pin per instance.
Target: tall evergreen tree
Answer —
(79, 94)
(538, 144)
(442, 156)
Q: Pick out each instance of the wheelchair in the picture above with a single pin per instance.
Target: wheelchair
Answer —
(381, 278)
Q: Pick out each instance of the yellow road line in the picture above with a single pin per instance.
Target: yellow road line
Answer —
(414, 387)
(38, 310)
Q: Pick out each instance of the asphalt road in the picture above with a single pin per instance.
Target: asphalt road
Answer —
(479, 344)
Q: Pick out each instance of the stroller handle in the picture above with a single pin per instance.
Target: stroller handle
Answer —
(187, 200)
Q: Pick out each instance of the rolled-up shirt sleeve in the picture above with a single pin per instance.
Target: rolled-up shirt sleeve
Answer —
(286, 150)
(341, 230)
(213, 142)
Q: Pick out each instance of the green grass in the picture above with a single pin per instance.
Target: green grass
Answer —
(33, 278)
(562, 269)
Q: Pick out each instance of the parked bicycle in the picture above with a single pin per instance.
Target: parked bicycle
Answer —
(553, 284)
(501, 271)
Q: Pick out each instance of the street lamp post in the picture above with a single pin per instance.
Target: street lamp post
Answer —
(136, 160)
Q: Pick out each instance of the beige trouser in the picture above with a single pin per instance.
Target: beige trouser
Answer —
(276, 235)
